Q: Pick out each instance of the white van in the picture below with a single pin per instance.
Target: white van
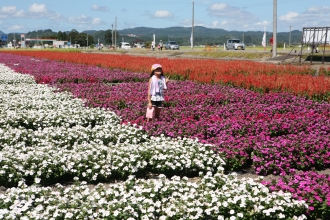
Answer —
(235, 44)
(125, 45)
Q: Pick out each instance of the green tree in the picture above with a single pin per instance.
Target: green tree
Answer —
(65, 36)
(60, 35)
(108, 36)
(81, 38)
(73, 35)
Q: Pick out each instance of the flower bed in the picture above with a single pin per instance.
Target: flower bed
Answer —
(213, 197)
(259, 77)
(51, 137)
(311, 187)
(278, 132)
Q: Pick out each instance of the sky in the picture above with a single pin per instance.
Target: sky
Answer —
(22, 16)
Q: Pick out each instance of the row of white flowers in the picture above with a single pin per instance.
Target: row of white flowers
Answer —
(48, 137)
(213, 197)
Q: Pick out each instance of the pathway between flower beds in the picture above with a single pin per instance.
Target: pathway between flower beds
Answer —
(277, 133)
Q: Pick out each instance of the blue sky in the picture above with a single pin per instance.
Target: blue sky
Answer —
(240, 15)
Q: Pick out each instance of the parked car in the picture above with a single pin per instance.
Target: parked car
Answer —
(235, 44)
(140, 45)
(125, 45)
(172, 45)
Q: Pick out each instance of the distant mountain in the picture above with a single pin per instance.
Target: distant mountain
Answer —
(202, 35)
(89, 32)
(174, 31)
(2, 33)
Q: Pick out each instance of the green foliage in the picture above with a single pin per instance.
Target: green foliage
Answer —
(202, 35)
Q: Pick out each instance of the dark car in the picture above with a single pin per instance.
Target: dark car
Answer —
(172, 45)
(140, 45)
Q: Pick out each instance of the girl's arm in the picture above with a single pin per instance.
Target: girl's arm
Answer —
(167, 79)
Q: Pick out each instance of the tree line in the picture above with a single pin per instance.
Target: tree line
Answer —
(202, 36)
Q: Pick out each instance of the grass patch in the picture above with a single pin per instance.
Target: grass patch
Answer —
(230, 54)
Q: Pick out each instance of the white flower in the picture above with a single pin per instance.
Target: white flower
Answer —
(68, 215)
(281, 215)
(37, 180)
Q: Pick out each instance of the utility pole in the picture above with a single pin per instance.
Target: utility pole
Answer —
(274, 28)
(290, 38)
(116, 33)
(87, 40)
(243, 38)
(112, 36)
(14, 40)
(192, 27)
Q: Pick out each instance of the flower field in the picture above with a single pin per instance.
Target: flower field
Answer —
(259, 77)
(50, 137)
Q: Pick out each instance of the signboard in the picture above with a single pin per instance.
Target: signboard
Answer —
(316, 36)
(22, 43)
(4, 38)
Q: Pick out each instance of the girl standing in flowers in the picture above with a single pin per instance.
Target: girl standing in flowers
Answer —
(157, 84)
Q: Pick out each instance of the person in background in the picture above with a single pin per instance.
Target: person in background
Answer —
(157, 85)
(153, 45)
(271, 41)
(161, 45)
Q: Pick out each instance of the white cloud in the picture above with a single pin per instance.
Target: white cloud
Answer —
(55, 16)
(35, 8)
(219, 23)
(82, 19)
(231, 17)
(100, 8)
(223, 10)
(312, 17)
(289, 16)
(8, 9)
(262, 24)
(163, 14)
(15, 27)
(19, 13)
(96, 21)
(320, 9)
(224, 22)
(217, 7)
